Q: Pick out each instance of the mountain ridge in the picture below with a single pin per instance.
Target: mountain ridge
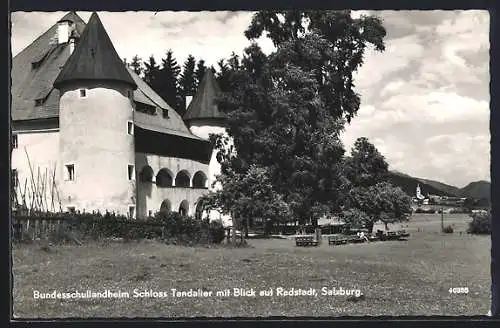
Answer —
(476, 189)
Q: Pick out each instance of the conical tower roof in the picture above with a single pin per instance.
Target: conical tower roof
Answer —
(203, 105)
(94, 58)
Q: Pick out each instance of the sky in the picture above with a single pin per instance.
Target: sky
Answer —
(424, 101)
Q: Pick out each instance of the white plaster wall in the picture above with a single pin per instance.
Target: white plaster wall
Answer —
(94, 137)
(150, 197)
(203, 131)
(40, 149)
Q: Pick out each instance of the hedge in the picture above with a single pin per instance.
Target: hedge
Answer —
(97, 226)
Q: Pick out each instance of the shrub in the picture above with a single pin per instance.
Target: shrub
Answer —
(217, 232)
(96, 226)
(480, 224)
(448, 229)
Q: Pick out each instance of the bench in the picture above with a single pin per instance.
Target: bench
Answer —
(403, 233)
(306, 241)
(337, 240)
(393, 235)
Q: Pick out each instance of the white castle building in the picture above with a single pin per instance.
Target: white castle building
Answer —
(88, 134)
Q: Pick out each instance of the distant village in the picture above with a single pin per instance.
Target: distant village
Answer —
(437, 203)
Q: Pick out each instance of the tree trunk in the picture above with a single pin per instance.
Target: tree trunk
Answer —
(369, 226)
(233, 230)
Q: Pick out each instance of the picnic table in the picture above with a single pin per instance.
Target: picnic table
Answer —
(306, 241)
(338, 240)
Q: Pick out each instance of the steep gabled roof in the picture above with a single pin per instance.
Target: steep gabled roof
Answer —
(203, 105)
(34, 71)
(94, 58)
(173, 125)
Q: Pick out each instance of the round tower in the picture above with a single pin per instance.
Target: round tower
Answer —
(96, 126)
(204, 118)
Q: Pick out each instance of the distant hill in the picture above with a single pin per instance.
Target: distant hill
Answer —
(409, 185)
(479, 190)
(451, 190)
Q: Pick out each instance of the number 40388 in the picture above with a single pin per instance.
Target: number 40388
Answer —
(459, 290)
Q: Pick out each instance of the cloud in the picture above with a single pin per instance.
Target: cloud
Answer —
(425, 100)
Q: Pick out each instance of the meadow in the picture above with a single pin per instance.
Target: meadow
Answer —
(408, 277)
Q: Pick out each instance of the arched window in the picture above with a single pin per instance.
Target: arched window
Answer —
(184, 208)
(166, 206)
(182, 179)
(198, 214)
(199, 180)
(146, 174)
(164, 178)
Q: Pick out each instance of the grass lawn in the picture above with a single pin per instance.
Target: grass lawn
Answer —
(397, 277)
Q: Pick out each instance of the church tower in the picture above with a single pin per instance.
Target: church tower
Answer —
(96, 125)
(419, 192)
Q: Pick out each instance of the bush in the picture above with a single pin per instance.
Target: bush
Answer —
(480, 224)
(448, 229)
(96, 226)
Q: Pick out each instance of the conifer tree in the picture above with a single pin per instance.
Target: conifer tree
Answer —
(187, 82)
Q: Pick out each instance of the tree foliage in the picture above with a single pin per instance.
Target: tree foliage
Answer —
(223, 75)
(286, 110)
(200, 71)
(136, 65)
(366, 166)
(187, 82)
(368, 190)
(344, 40)
(248, 195)
(152, 73)
(168, 81)
(381, 201)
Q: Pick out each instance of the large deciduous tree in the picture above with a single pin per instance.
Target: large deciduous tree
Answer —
(286, 110)
(381, 201)
(369, 197)
(248, 195)
(366, 166)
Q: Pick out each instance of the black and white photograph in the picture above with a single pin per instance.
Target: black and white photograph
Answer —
(257, 164)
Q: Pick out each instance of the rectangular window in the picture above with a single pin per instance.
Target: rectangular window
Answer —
(14, 141)
(70, 172)
(143, 108)
(131, 212)
(39, 102)
(165, 113)
(131, 172)
(83, 93)
(130, 128)
(14, 177)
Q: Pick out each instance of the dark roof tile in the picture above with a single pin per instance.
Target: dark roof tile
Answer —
(203, 105)
(30, 83)
(94, 58)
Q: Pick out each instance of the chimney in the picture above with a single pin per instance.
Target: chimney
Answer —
(63, 31)
(188, 100)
